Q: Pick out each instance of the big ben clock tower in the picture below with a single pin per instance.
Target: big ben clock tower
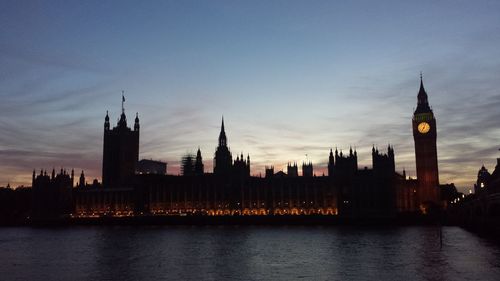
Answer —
(424, 134)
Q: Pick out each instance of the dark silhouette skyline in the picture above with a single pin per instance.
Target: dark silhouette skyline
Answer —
(299, 80)
(133, 188)
(230, 190)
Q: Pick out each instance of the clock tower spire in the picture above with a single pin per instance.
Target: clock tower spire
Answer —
(424, 135)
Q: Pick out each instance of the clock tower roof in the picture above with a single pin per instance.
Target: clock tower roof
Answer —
(422, 100)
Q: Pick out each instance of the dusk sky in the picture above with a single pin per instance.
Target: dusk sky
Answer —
(292, 78)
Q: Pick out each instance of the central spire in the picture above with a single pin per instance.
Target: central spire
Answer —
(222, 135)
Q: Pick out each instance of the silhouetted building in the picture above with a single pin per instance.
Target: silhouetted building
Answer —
(241, 167)
(231, 190)
(424, 134)
(120, 152)
(331, 163)
(15, 204)
(345, 166)
(81, 181)
(384, 163)
(481, 209)
(344, 170)
(449, 192)
(483, 177)
(486, 183)
(406, 194)
(52, 195)
(269, 171)
(376, 194)
(496, 173)
(146, 166)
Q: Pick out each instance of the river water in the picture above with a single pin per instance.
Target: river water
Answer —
(246, 253)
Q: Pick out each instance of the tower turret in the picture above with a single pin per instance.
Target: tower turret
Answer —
(122, 122)
(483, 177)
(198, 165)
(136, 124)
(248, 164)
(331, 163)
(390, 151)
(106, 122)
(82, 180)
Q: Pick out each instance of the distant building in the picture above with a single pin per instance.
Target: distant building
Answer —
(146, 166)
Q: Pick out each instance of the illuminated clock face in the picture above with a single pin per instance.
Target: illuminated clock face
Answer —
(424, 127)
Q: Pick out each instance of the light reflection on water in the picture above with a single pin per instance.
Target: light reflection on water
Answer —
(246, 253)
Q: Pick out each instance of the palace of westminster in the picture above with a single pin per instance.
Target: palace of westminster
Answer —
(131, 187)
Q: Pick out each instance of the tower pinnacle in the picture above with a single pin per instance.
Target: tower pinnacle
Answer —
(106, 122)
(122, 122)
(136, 124)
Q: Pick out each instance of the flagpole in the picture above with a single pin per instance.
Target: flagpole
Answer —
(123, 100)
